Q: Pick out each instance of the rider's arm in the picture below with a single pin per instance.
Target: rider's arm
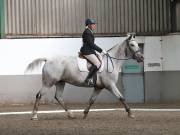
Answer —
(97, 48)
(89, 41)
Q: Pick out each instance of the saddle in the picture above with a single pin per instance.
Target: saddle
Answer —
(84, 65)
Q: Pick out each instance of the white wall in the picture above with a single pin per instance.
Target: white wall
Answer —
(152, 54)
(164, 50)
(16, 54)
(171, 53)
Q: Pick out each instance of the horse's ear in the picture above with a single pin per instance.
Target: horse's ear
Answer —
(130, 36)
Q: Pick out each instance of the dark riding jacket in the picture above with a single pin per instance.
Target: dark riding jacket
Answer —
(88, 43)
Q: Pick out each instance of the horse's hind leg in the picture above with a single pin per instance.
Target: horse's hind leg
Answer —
(91, 101)
(113, 89)
(58, 97)
(36, 104)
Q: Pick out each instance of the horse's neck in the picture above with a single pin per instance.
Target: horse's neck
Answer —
(118, 52)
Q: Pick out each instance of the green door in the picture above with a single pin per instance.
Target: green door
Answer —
(2, 20)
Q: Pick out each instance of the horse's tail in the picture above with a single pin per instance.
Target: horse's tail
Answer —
(35, 63)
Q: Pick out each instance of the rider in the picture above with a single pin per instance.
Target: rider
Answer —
(89, 49)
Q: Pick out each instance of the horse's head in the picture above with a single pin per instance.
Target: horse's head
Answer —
(132, 49)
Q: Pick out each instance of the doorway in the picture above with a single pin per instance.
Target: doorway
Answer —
(133, 80)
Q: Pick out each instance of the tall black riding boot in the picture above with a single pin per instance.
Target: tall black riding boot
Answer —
(92, 71)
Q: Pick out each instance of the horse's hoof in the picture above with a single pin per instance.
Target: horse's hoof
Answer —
(70, 115)
(34, 117)
(130, 115)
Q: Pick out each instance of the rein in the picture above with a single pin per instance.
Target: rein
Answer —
(110, 57)
(117, 58)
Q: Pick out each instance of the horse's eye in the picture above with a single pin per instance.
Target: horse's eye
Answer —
(132, 45)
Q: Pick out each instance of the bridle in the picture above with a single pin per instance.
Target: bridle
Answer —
(132, 51)
(110, 57)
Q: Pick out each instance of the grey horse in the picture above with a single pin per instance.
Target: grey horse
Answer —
(60, 70)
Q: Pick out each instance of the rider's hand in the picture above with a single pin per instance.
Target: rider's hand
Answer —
(104, 52)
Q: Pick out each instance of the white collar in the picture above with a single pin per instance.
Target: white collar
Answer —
(90, 30)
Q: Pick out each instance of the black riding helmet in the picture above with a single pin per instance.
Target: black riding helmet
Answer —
(90, 21)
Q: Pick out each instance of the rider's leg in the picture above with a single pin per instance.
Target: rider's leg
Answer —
(93, 58)
(92, 71)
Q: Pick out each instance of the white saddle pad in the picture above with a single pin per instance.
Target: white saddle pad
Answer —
(83, 65)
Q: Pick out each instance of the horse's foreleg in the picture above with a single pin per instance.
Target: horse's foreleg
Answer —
(58, 97)
(91, 101)
(128, 110)
(117, 93)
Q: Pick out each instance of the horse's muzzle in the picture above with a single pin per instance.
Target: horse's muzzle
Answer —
(139, 57)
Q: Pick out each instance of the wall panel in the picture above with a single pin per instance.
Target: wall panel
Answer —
(66, 17)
